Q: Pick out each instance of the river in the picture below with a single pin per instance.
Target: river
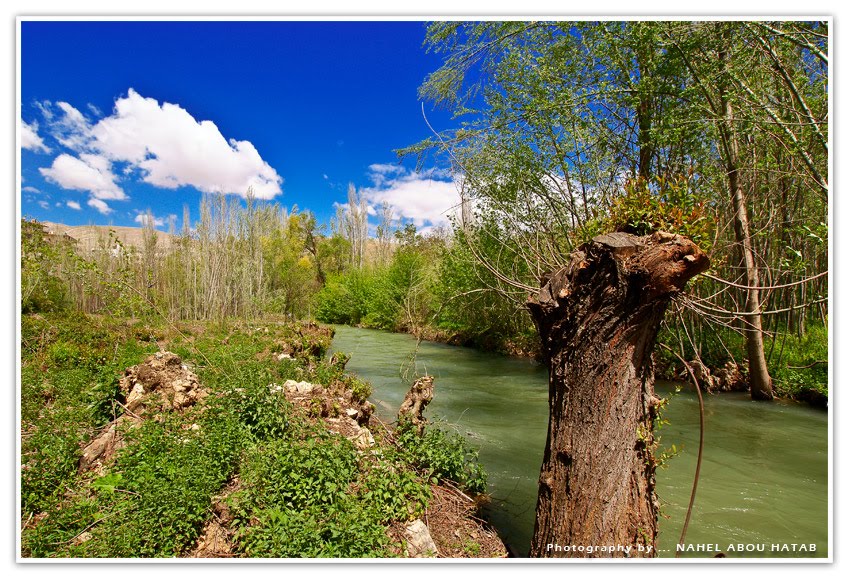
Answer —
(764, 476)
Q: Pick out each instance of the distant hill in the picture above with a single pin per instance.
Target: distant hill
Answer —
(89, 237)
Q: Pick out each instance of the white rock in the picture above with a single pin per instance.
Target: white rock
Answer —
(364, 440)
(419, 541)
(302, 387)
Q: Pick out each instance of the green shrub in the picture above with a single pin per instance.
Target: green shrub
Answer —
(297, 474)
(395, 494)
(296, 501)
(49, 464)
(799, 365)
(442, 456)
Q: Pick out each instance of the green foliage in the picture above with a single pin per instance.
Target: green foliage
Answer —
(345, 298)
(156, 497)
(170, 474)
(296, 474)
(49, 456)
(265, 414)
(42, 289)
(669, 205)
(345, 531)
(290, 270)
(360, 389)
(442, 456)
(68, 387)
(394, 493)
(296, 501)
(799, 365)
(302, 492)
(473, 307)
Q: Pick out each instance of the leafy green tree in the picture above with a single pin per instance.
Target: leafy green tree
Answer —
(42, 288)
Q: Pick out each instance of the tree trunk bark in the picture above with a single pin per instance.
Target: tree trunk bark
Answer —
(761, 387)
(598, 318)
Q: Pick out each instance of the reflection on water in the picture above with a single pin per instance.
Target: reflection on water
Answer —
(764, 473)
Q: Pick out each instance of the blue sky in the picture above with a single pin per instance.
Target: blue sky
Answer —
(123, 117)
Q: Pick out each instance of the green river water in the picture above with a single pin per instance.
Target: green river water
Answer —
(764, 475)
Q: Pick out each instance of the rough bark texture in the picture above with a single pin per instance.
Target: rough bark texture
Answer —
(417, 398)
(598, 318)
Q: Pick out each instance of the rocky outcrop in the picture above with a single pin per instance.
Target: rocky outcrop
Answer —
(341, 413)
(161, 383)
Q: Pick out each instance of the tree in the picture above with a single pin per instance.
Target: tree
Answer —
(563, 121)
(353, 223)
(737, 70)
(564, 111)
(598, 317)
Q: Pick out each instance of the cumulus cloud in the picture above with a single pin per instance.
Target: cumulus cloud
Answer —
(73, 205)
(427, 199)
(172, 149)
(145, 219)
(162, 145)
(31, 189)
(99, 205)
(30, 138)
(88, 172)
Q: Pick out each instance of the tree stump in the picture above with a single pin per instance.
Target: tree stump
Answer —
(598, 318)
(415, 401)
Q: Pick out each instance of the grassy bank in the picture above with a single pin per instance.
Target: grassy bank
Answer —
(248, 471)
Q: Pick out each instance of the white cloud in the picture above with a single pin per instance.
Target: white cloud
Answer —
(172, 149)
(31, 189)
(46, 111)
(44, 204)
(426, 201)
(73, 205)
(100, 206)
(386, 168)
(30, 138)
(88, 172)
(72, 129)
(144, 219)
(162, 145)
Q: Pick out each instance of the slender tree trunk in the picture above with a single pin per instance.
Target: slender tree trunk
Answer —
(760, 383)
(598, 318)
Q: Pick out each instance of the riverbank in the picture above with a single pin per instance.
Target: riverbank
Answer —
(222, 440)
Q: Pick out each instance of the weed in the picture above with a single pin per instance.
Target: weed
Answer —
(442, 456)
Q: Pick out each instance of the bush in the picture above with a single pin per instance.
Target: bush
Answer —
(442, 456)
(799, 365)
(297, 501)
